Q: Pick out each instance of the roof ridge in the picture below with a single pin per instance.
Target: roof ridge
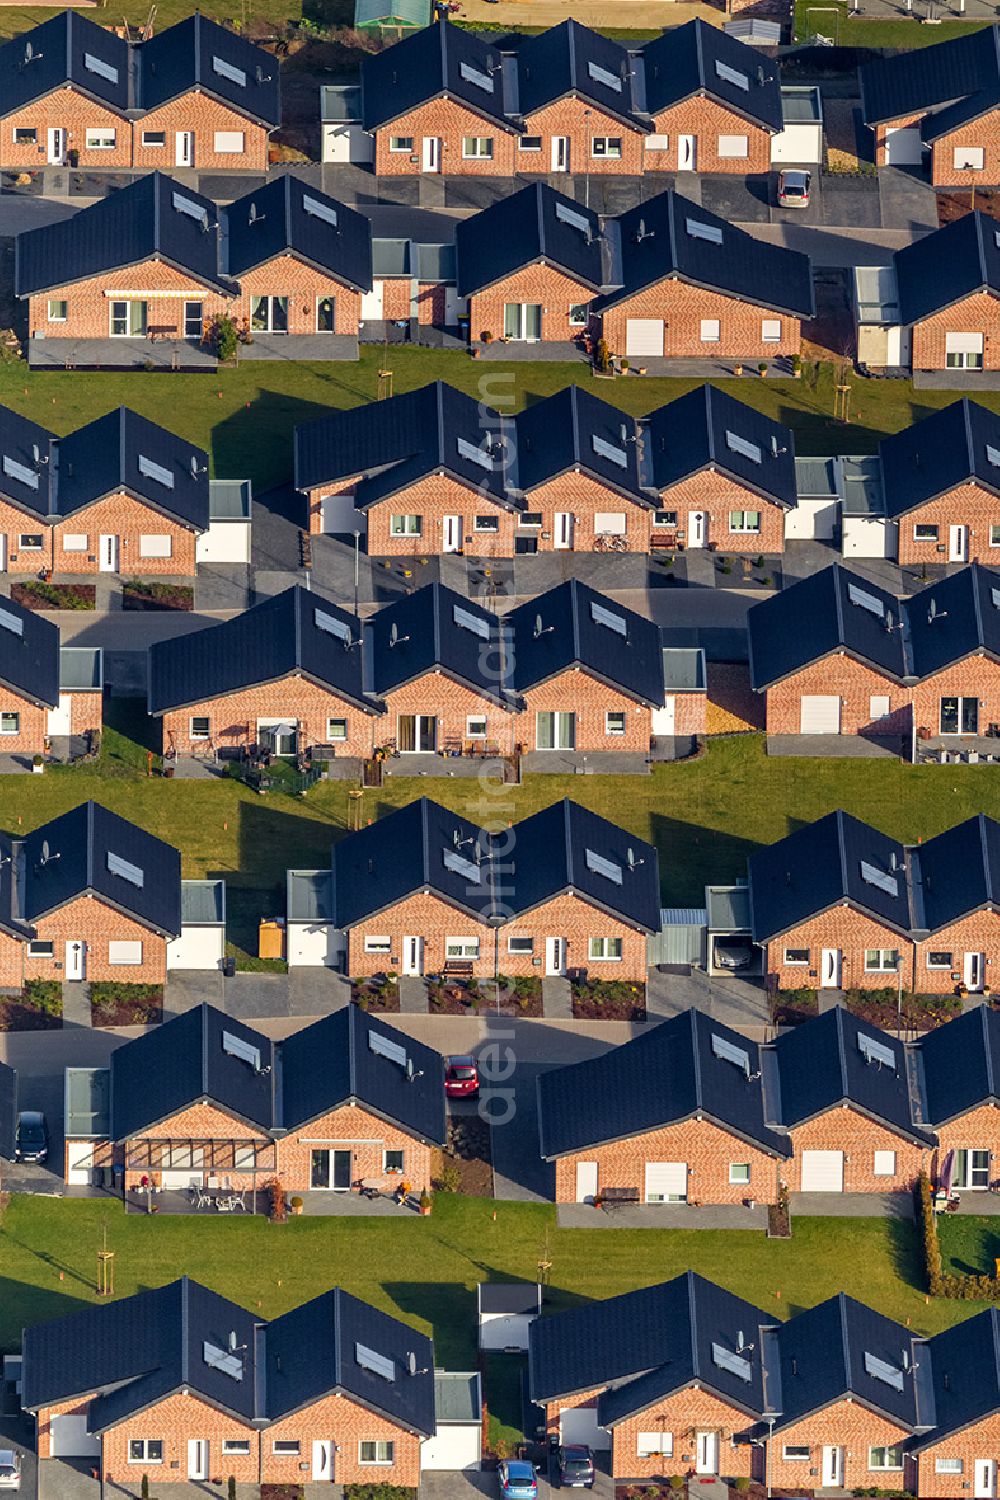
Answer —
(567, 839)
(541, 218)
(692, 1319)
(707, 388)
(671, 231)
(443, 50)
(204, 1047)
(425, 838)
(838, 602)
(695, 1058)
(838, 1012)
(185, 1309)
(156, 210)
(571, 39)
(337, 1367)
(69, 43)
(977, 609)
(699, 54)
(297, 620)
(439, 400)
(197, 46)
(969, 447)
(984, 1023)
(352, 1022)
(844, 1340)
(90, 843)
(436, 601)
(121, 446)
(978, 224)
(574, 406)
(574, 614)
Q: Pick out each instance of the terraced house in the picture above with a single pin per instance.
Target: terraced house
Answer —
(51, 696)
(947, 288)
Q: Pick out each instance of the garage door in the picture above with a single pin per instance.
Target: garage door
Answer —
(822, 1171)
(903, 147)
(819, 715)
(666, 1181)
(70, 1438)
(578, 1424)
(644, 336)
(456, 1446)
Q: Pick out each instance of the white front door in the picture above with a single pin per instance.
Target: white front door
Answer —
(555, 955)
(452, 534)
(372, 303)
(184, 148)
(197, 1458)
(985, 1479)
(586, 1181)
(686, 153)
(413, 955)
(830, 969)
(560, 153)
(974, 967)
(958, 544)
(832, 1475)
(60, 720)
(697, 528)
(431, 159)
(664, 720)
(75, 958)
(322, 1459)
(706, 1458)
(562, 530)
(57, 147)
(108, 552)
(3, 552)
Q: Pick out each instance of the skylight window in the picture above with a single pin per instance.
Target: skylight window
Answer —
(459, 865)
(880, 879)
(993, 456)
(332, 626)
(874, 1051)
(188, 206)
(20, 472)
(606, 617)
(100, 67)
(569, 215)
(11, 622)
(604, 75)
(732, 75)
(474, 453)
(382, 1046)
(225, 1360)
(743, 447)
(125, 870)
(227, 71)
(369, 1359)
(605, 867)
(698, 231)
(732, 1363)
(607, 450)
(466, 620)
(730, 1053)
(237, 1046)
(476, 76)
(319, 210)
(156, 471)
(995, 596)
(864, 600)
(881, 1369)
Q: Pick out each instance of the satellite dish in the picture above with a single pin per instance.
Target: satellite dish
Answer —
(29, 52)
(393, 633)
(538, 624)
(623, 432)
(36, 453)
(233, 1342)
(456, 838)
(411, 1363)
(906, 1359)
(630, 856)
(195, 471)
(252, 215)
(740, 1340)
(45, 851)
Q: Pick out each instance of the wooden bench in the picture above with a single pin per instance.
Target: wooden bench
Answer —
(458, 968)
(663, 541)
(617, 1197)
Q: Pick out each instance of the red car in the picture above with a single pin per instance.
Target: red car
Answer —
(461, 1078)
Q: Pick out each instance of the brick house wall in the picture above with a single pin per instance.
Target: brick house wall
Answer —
(845, 1424)
(684, 1414)
(12, 962)
(576, 691)
(426, 916)
(288, 276)
(199, 1122)
(348, 1424)
(978, 1440)
(77, 1407)
(846, 1129)
(197, 112)
(584, 497)
(977, 1130)
(175, 1421)
(972, 677)
(91, 920)
(849, 931)
(854, 683)
(708, 1151)
(682, 307)
(553, 289)
(690, 712)
(572, 918)
(233, 718)
(396, 298)
(982, 133)
(368, 1137)
(978, 313)
(121, 515)
(450, 122)
(706, 120)
(968, 505)
(581, 122)
(85, 714)
(568, 1403)
(439, 696)
(70, 110)
(432, 499)
(719, 495)
(432, 304)
(88, 310)
(977, 933)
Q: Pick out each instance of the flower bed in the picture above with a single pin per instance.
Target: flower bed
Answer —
(375, 1492)
(792, 1007)
(520, 996)
(38, 1007)
(137, 594)
(463, 1166)
(113, 1003)
(281, 1492)
(920, 1012)
(379, 993)
(40, 596)
(609, 1000)
(779, 1220)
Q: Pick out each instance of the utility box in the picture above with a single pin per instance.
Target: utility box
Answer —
(271, 937)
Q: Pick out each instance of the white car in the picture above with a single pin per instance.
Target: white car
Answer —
(10, 1469)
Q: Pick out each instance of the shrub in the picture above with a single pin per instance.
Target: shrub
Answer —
(231, 1488)
(676, 1481)
(279, 1210)
(44, 995)
(602, 356)
(742, 1484)
(450, 1179)
(222, 338)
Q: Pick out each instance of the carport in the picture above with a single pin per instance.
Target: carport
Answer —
(728, 911)
(457, 1444)
(505, 1311)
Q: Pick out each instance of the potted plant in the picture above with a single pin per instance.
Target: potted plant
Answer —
(295, 1204)
(738, 367)
(425, 1203)
(797, 366)
(762, 369)
(623, 365)
(37, 764)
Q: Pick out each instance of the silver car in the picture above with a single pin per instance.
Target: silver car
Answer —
(10, 1469)
(793, 188)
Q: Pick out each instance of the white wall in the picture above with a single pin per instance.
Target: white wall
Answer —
(197, 948)
(346, 141)
(455, 1446)
(224, 541)
(864, 537)
(798, 144)
(313, 944)
(811, 520)
(504, 1330)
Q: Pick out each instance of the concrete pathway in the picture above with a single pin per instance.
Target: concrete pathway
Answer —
(557, 999)
(739, 1003)
(412, 995)
(844, 746)
(851, 1205)
(76, 1005)
(662, 1216)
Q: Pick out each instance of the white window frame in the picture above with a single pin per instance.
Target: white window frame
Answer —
(949, 1466)
(461, 947)
(736, 1167)
(10, 713)
(75, 541)
(606, 147)
(405, 524)
(286, 1447)
(94, 141)
(796, 963)
(222, 136)
(144, 1444)
(744, 526)
(384, 1445)
(377, 943)
(768, 333)
(198, 734)
(879, 706)
(733, 147)
(995, 533)
(710, 330)
(881, 967)
(236, 1447)
(968, 158)
(156, 544)
(654, 1444)
(131, 318)
(125, 953)
(401, 145)
(26, 545)
(41, 948)
(795, 1453)
(579, 314)
(522, 144)
(884, 1164)
(474, 719)
(477, 148)
(597, 950)
(919, 526)
(30, 132)
(150, 145)
(938, 967)
(520, 937)
(331, 736)
(886, 1448)
(616, 713)
(388, 1151)
(487, 524)
(966, 351)
(52, 317)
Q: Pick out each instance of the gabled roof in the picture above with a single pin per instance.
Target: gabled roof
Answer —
(288, 216)
(960, 444)
(670, 238)
(834, 1059)
(930, 78)
(295, 631)
(698, 59)
(571, 59)
(948, 265)
(954, 618)
(196, 53)
(439, 61)
(708, 429)
(574, 626)
(153, 218)
(25, 477)
(841, 1350)
(66, 49)
(686, 1066)
(832, 611)
(957, 873)
(534, 225)
(960, 1065)
(29, 654)
(435, 629)
(965, 1366)
(836, 861)
(647, 1344)
(567, 848)
(572, 429)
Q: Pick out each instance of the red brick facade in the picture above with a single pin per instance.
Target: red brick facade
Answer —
(980, 1440)
(978, 933)
(858, 1137)
(725, 504)
(592, 702)
(968, 505)
(70, 110)
(89, 920)
(233, 719)
(847, 1425)
(847, 932)
(708, 121)
(684, 308)
(682, 1415)
(978, 313)
(982, 133)
(32, 737)
(538, 284)
(708, 1151)
(426, 917)
(203, 116)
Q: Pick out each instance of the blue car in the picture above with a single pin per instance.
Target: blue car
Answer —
(517, 1480)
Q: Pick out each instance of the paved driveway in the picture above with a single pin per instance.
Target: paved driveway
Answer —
(908, 200)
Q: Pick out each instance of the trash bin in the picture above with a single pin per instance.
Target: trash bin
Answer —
(228, 967)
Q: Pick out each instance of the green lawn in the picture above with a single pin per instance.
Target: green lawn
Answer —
(832, 18)
(969, 1246)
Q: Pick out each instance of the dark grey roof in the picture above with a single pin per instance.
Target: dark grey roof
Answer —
(500, 1297)
(24, 478)
(571, 60)
(29, 654)
(573, 429)
(435, 629)
(960, 1065)
(565, 847)
(965, 1364)
(438, 61)
(960, 444)
(535, 224)
(698, 59)
(662, 1077)
(123, 451)
(957, 873)
(153, 218)
(66, 49)
(290, 216)
(313, 1352)
(670, 238)
(708, 429)
(197, 53)
(948, 265)
(835, 1059)
(647, 1344)
(829, 612)
(962, 112)
(930, 78)
(295, 631)
(956, 617)
(835, 861)
(574, 626)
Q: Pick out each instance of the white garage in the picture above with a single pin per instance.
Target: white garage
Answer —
(644, 338)
(819, 714)
(822, 1172)
(201, 942)
(666, 1182)
(506, 1311)
(70, 1438)
(903, 146)
(457, 1441)
(578, 1424)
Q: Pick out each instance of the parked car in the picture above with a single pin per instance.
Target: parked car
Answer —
(518, 1480)
(793, 188)
(575, 1466)
(733, 953)
(461, 1078)
(31, 1141)
(10, 1469)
